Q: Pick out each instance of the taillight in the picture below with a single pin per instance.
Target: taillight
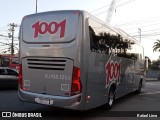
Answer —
(76, 83)
(20, 76)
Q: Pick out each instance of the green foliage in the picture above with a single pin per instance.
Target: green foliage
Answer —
(154, 65)
(156, 46)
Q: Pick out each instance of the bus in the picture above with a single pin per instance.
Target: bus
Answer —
(71, 59)
(8, 60)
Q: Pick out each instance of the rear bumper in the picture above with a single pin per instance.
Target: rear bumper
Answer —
(70, 102)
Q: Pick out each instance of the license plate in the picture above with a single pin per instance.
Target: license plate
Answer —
(44, 101)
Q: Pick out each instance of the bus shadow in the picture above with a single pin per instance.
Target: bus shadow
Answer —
(8, 88)
(125, 98)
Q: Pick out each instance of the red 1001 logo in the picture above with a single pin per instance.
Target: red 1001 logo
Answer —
(113, 71)
(51, 28)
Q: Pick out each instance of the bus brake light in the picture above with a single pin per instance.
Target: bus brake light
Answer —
(76, 83)
(20, 76)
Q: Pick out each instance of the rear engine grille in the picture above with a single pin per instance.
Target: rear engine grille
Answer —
(46, 64)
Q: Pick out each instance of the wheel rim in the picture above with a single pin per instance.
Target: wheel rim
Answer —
(111, 98)
(140, 86)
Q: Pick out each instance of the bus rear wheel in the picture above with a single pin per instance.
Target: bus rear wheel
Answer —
(138, 91)
(111, 98)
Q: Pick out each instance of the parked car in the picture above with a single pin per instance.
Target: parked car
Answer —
(8, 77)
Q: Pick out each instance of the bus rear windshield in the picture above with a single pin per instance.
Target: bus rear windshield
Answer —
(53, 27)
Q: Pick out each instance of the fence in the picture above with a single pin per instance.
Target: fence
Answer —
(153, 74)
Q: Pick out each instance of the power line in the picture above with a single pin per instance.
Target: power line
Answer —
(104, 11)
(146, 31)
(3, 49)
(103, 7)
(3, 35)
(142, 26)
(149, 38)
(4, 43)
(147, 27)
(125, 3)
(144, 35)
(144, 21)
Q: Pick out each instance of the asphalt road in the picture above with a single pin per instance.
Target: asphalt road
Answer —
(127, 107)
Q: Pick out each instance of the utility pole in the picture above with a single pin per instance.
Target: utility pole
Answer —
(36, 6)
(139, 34)
(159, 67)
(12, 29)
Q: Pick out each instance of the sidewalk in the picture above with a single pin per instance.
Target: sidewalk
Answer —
(151, 79)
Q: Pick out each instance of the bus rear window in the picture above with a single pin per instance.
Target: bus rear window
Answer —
(50, 28)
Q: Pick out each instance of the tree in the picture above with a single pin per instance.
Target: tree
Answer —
(154, 65)
(156, 46)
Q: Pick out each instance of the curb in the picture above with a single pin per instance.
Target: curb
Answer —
(151, 79)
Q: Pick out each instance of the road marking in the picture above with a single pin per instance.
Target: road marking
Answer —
(150, 93)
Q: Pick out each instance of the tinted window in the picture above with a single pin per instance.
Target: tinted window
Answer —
(106, 40)
(12, 72)
(2, 72)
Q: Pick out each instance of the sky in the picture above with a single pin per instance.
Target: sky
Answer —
(132, 16)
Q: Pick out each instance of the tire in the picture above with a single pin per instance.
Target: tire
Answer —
(138, 91)
(111, 98)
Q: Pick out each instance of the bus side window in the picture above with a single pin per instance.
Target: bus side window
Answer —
(93, 44)
(91, 39)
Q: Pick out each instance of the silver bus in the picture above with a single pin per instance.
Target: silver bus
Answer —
(70, 59)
